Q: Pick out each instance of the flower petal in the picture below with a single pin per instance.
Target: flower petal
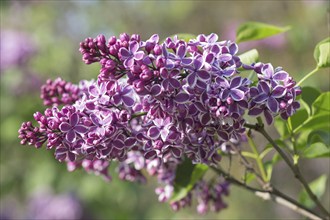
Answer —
(164, 133)
(176, 152)
(175, 83)
(129, 62)
(133, 46)
(279, 91)
(65, 127)
(260, 98)
(237, 94)
(70, 136)
(272, 104)
(191, 79)
(181, 51)
(235, 82)
(264, 86)
(119, 144)
(203, 75)
(281, 75)
(124, 53)
(74, 119)
(255, 111)
(223, 135)
(156, 90)
(268, 116)
(150, 154)
(139, 55)
(182, 98)
(81, 129)
(153, 132)
(128, 101)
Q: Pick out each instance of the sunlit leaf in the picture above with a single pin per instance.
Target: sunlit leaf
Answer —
(187, 175)
(319, 136)
(320, 118)
(318, 187)
(315, 122)
(256, 30)
(249, 57)
(322, 53)
(317, 150)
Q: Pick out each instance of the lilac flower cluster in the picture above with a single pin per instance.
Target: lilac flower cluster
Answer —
(274, 94)
(155, 104)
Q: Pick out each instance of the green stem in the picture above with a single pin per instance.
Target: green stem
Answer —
(292, 137)
(138, 114)
(307, 76)
(257, 158)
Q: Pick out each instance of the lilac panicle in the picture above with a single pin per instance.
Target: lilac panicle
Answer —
(153, 105)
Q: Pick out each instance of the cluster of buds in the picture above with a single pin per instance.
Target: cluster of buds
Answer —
(156, 104)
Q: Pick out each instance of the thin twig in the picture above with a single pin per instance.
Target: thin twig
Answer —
(271, 194)
(295, 169)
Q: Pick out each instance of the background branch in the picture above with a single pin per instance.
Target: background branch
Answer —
(295, 169)
(271, 194)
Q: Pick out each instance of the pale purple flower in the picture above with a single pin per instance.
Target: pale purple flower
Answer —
(161, 128)
(131, 54)
(233, 89)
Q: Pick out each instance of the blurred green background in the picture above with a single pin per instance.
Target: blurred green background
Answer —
(40, 40)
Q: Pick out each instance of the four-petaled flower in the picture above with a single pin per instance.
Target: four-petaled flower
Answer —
(161, 128)
(72, 129)
(132, 54)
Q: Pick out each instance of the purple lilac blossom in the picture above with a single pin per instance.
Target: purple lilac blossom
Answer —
(155, 104)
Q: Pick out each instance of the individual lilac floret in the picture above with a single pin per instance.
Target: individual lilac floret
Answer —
(131, 54)
(72, 129)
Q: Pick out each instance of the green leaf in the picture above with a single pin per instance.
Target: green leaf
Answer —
(187, 175)
(318, 187)
(282, 128)
(320, 118)
(315, 122)
(322, 104)
(298, 118)
(317, 150)
(309, 95)
(322, 53)
(256, 30)
(319, 136)
(249, 57)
